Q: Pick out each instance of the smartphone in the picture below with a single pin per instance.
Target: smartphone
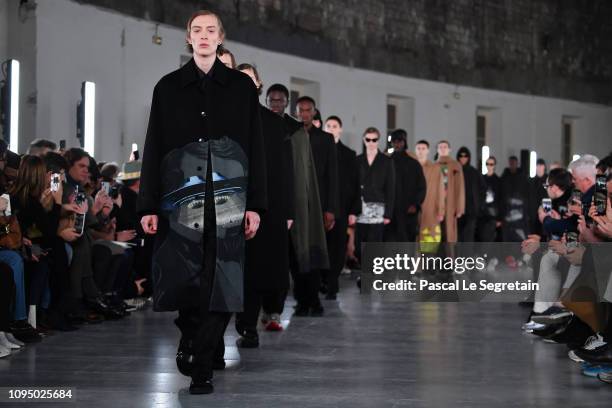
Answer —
(7, 212)
(576, 197)
(62, 145)
(106, 187)
(135, 151)
(601, 194)
(56, 179)
(80, 198)
(547, 205)
(79, 223)
(571, 239)
(114, 192)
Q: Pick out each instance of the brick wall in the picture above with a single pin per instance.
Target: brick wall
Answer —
(558, 48)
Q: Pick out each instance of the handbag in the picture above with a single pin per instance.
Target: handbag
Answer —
(10, 232)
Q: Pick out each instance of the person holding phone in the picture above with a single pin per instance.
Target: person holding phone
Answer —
(202, 188)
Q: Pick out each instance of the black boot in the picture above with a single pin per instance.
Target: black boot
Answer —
(184, 357)
(248, 340)
(201, 386)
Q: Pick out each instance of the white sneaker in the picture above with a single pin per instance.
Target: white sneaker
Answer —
(593, 342)
(4, 351)
(492, 265)
(345, 271)
(13, 340)
(6, 343)
(135, 304)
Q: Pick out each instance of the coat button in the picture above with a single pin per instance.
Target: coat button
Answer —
(196, 225)
(203, 114)
(199, 168)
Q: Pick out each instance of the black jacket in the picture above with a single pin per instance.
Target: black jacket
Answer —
(377, 181)
(410, 186)
(536, 193)
(348, 178)
(326, 165)
(475, 190)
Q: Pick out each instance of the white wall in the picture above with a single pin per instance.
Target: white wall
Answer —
(77, 43)
(18, 29)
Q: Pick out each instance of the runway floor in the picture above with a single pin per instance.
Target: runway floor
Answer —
(363, 353)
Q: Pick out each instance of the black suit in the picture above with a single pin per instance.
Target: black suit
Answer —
(410, 189)
(348, 195)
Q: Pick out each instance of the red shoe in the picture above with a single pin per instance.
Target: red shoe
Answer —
(511, 262)
(274, 324)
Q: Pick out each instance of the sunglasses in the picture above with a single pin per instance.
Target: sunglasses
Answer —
(490, 164)
(368, 140)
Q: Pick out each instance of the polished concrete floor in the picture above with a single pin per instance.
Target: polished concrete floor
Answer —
(363, 353)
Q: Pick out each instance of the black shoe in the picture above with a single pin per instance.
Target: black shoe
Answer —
(331, 296)
(323, 288)
(184, 358)
(549, 331)
(601, 355)
(248, 341)
(301, 310)
(575, 334)
(59, 321)
(22, 331)
(317, 311)
(201, 387)
(218, 364)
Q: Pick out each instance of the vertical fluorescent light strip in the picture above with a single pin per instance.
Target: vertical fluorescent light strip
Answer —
(485, 157)
(14, 103)
(533, 161)
(90, 117)
(575, 157)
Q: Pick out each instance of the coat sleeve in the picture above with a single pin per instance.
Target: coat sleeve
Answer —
(389, 189)
(150, 177)
(332, 177)
(288, 179)
(421, 185)
(441, 202)
(257, 192)
(460, 191)
(354, 199)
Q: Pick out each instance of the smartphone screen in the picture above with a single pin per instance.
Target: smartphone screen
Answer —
(601, 195)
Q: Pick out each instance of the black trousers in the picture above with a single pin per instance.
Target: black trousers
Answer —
(337, 239)
(7, 296)
(305, 285)
(403, 228)
(272, 301)
(202, 326)
(467, 228)
(368, 233)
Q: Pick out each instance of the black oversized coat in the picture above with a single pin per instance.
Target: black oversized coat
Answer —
(326, 166)
(267, 263)
(186, 124)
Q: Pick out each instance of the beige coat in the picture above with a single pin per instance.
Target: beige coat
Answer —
(433, 205)
(455, 195)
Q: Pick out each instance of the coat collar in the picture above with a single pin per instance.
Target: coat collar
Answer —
(189, 73)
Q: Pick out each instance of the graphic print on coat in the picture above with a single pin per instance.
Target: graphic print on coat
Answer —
(178, 262)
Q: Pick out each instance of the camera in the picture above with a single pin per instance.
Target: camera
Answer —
(576, 197)
(114, 192)
(80, 198)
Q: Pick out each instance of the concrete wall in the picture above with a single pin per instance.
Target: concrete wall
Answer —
(80, 42)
